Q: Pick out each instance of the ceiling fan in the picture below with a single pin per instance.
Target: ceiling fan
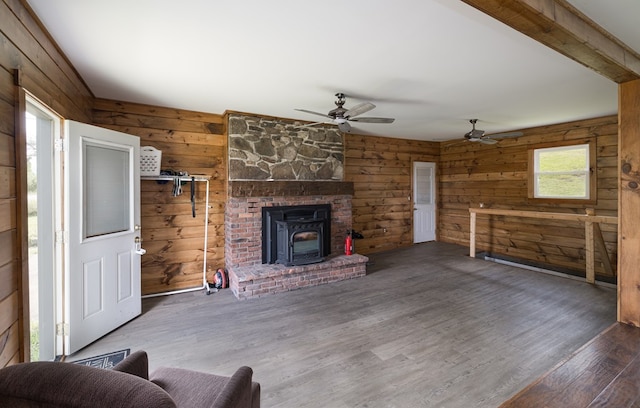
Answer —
(342, 116)
(477, 135)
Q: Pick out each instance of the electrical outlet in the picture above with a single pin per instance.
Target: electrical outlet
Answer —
(384, 230)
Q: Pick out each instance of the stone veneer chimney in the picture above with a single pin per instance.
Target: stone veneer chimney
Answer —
(275, 163)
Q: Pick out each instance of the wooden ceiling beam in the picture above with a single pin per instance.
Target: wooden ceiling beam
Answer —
(560, 26)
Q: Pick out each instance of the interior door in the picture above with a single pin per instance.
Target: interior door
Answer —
(424, 202)
(102, 268)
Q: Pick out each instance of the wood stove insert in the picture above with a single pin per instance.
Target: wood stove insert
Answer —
(296, 235)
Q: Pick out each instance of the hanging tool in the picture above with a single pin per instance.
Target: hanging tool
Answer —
(177, 186)
(193, 196)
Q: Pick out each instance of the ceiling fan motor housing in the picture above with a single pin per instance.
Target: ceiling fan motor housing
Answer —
(342, 116)
(337, 112)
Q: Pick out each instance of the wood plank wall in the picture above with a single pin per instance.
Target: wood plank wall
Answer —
(194, 142)
(496, 175)
(381, 171)
(45, 73)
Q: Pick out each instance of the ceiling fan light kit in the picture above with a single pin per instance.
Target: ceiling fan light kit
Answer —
(341, 116)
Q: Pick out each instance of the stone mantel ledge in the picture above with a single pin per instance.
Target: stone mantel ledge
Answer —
(280, 188)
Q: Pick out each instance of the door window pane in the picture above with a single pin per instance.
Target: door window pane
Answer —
(106, 190)
(424, 191)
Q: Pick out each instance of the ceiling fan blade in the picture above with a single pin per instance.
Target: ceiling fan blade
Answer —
(506, 134)
(373, 120)
(359, 109)
(314, 113)
(486, 140)
(312, 124)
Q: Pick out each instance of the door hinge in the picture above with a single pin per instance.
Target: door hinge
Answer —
(59, 145)
(62, 329)
(62, 237)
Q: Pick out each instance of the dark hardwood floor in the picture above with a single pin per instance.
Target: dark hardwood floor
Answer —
(427, 327)
(603, 373)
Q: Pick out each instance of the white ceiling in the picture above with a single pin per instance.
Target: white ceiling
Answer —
(431, 64)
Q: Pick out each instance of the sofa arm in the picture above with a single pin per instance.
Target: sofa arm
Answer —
(137, 363)
(72, 385)
(237, 393)
(198, 389)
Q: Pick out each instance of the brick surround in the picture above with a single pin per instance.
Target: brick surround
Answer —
(243, 243)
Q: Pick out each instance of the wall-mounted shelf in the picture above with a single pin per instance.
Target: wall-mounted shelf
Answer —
(196, 178)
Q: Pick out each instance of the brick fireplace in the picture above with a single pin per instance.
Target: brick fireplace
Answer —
(248, 276)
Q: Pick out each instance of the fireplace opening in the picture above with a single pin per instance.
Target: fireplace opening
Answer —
(296, 235)
(299, 242)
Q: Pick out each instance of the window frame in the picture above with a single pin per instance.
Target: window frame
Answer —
(592, 184)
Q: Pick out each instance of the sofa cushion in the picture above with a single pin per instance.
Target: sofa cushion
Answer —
(197, 389)
(51, 384)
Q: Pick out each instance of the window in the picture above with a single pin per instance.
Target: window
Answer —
(562, 173)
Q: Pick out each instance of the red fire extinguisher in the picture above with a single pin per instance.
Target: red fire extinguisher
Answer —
(348, 244)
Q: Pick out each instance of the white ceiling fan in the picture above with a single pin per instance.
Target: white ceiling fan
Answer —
(477, 135)
(342, 116)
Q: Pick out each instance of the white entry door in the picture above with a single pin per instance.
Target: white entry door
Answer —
(424, 202)
(102, 287)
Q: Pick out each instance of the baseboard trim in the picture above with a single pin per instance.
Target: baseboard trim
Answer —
(543, 270)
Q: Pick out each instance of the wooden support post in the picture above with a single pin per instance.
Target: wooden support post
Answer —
(472, 236)
(629, 203)
(589, 249)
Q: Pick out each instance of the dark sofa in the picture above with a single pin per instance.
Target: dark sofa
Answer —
(128, 384)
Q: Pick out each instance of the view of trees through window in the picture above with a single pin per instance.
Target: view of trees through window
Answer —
(562, 172)
(32, 230)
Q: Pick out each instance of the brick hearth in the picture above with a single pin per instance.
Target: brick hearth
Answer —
(243, 237)
(251, 281)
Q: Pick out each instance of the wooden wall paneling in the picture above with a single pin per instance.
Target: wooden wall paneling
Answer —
(629, 203)
(381, 170)
(7, 113)
(212, 121)
(9, 310)
(10, 346)
(7, 182)
(7, 214)
(153, 121)
(190, 141)
(497, 176)
(9, 279)
(46, 72)
(7, 156)
(7, 85)
(32, 38)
